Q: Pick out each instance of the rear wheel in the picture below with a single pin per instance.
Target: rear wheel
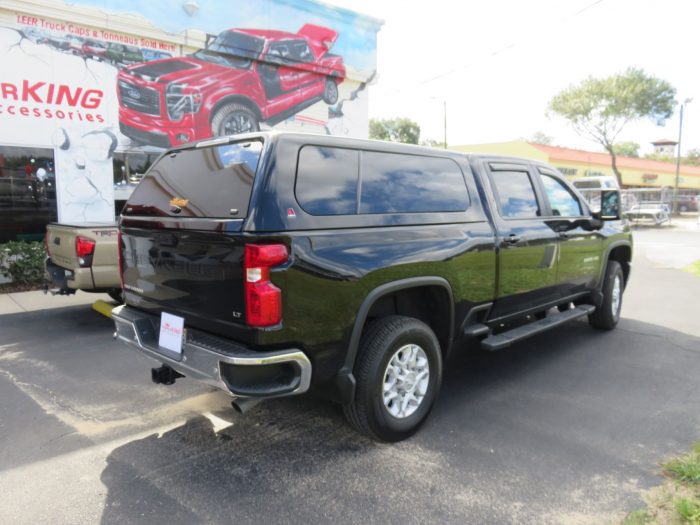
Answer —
(606, 316)
(398, 374)
(330, 91)
(232, 119)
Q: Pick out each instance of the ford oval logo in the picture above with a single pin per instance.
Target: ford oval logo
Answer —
(134, 93)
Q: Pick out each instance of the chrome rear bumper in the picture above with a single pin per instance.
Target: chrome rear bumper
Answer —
(216, 361)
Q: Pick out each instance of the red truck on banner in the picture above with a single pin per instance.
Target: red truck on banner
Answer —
(242, 78)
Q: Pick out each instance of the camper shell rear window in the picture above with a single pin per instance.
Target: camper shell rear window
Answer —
(213, 181)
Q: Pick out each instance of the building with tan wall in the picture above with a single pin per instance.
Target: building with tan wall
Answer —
(575, 164)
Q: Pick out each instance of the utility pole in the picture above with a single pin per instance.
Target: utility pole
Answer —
(444, 106)
(678, 156)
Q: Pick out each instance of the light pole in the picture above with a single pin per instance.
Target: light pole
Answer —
(678, 156)
(444, 108)
(444, 118)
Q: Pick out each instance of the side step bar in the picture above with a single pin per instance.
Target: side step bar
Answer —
(505, 339)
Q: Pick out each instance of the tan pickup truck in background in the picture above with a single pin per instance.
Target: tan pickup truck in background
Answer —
(83, 257)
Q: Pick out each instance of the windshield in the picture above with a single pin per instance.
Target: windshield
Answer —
(232, 49)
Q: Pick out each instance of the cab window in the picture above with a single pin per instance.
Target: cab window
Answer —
(516, 195)
(561, 200)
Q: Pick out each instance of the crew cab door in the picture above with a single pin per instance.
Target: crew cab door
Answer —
(580, 247)
(527, 246)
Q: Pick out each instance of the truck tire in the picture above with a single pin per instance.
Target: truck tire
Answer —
(606, 316)
(330, 91)
(232, 119)
(398, 373)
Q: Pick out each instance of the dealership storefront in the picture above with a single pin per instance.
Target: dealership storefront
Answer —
(91, 92)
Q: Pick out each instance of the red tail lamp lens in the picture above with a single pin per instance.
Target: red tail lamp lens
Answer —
(263, 299)
(84, 249)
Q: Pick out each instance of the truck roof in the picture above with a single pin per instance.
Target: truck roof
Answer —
(268, 34)
(352, 142)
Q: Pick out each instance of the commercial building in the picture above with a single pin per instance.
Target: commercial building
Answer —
(575, 164)
(92, 91)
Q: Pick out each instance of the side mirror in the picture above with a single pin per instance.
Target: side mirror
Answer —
(609, 206)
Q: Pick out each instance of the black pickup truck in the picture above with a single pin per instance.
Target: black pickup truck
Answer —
(272, 264)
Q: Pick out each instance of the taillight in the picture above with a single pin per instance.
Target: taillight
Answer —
(119, 258)
(263, 300)
(84, 249)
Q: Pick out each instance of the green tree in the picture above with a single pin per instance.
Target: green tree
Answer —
(627, 149)
(600, 108)
(432, 143)
(692, 157)
(660, 157)
(395, 130)
(540, 137)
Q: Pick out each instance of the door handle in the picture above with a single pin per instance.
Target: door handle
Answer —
(512, 239)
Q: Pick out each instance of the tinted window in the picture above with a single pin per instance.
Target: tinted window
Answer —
(561, 200)
(516, 195)
(394, 183)
(302, 52)
(203, 182)
(327, 180)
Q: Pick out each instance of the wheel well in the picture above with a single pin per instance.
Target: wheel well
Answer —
(430, 304)
(623, 255)
(238, 99)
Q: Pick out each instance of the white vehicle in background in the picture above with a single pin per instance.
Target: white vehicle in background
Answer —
(656, 212)
(590, 188)
(604, 182)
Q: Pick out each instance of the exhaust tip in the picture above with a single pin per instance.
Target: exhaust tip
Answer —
(244, 404)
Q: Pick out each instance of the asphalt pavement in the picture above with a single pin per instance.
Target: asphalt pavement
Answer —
(568, 427)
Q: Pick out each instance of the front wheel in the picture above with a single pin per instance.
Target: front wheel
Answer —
(606, 316)
(398, 374)
(232, 119)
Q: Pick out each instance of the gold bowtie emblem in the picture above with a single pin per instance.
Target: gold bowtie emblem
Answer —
(179, 202)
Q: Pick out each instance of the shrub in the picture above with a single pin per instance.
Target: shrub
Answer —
(688, 510)
(686, 468)
(23, 262)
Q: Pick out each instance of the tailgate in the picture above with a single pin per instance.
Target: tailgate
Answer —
(194, 274)
(60, 242)
(320, 38)
(182, 247)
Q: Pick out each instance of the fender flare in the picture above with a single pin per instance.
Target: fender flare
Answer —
(610, 248)
(345, 380)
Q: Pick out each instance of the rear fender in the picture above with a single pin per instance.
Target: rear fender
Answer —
(345, 380)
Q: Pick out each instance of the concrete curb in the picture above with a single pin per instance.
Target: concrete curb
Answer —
(14, 303)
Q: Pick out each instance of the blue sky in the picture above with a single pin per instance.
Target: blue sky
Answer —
(356, 42)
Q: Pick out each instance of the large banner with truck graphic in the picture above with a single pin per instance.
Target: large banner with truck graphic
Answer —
(92, 79)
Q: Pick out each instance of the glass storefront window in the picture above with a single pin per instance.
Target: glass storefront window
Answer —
(27, 192)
